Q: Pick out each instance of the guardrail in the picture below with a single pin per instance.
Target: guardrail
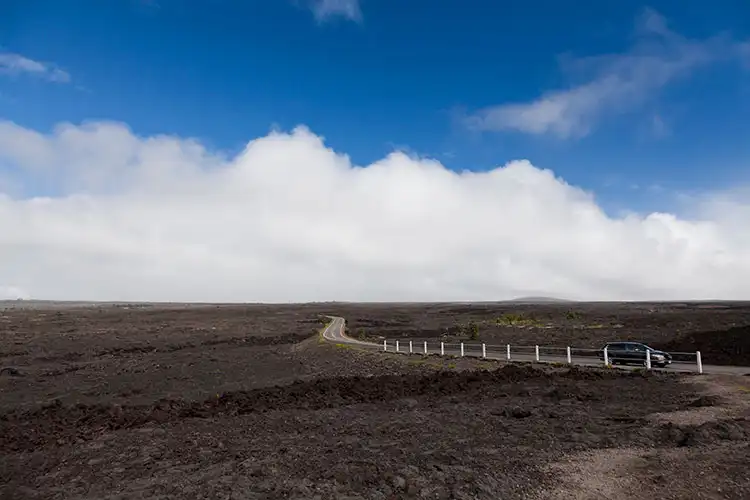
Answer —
(536, 353)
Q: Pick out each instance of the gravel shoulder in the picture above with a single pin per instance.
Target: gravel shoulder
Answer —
(708, 462)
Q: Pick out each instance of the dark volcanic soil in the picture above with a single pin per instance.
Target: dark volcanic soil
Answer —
(721, 331)
(209, 402)
(420, 435)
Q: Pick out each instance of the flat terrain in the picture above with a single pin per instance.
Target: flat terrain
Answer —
(721, 330)
(242, 402)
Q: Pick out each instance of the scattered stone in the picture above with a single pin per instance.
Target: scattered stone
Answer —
(13, 372)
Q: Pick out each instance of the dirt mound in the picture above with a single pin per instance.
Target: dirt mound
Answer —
(56, 423)
(116, 352)
(670, 434)
(717, 347)
(706, 400)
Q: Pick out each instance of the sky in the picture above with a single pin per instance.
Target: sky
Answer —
(374, 150)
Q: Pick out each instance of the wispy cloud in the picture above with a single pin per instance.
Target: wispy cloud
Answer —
(614, 83)
(659, 127)
(327, 9)
(15, 64)
(744, 51)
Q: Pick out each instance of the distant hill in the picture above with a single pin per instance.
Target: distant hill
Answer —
(539, 300)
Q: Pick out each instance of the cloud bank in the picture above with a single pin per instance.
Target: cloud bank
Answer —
(613, 83)
(288, 219)
(16, 64)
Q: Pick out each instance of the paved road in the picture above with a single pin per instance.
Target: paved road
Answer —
(593, 361)
(334, 332)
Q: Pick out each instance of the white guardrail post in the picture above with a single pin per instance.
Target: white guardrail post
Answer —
(699, 361)
(507, 348)
(484, 351)
(606, 357)
(570, 358)
(648, 359)
(442, 348)
(397, 346)
(385, 345)
(462, 349)
(411, 347)
(536, 353)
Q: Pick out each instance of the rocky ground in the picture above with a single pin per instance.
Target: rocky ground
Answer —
(721, 331)
(209, 403)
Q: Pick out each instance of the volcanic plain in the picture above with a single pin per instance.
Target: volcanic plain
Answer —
(105, 401)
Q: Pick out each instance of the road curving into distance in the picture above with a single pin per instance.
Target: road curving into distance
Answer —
(334, 332)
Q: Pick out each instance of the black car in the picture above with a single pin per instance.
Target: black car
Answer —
(634, 352)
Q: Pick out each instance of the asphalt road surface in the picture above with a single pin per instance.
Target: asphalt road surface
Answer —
(334, 332)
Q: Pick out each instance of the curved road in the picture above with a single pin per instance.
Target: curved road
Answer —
(334, 332)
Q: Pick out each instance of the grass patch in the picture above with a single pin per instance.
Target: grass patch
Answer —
(517, 320)
(321, 340)
(486, 365)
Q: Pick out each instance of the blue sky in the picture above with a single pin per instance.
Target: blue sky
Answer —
(378, 75)
(643, 106)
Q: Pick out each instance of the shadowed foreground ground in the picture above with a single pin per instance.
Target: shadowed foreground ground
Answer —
(211, 404)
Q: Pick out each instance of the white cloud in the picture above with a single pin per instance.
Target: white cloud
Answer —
(326, 9)
(12, 293)
(616, 83)
(161, 218)
(15, 64)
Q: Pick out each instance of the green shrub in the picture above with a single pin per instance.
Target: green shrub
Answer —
(472, 330)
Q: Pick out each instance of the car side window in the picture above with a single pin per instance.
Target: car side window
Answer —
(638, 348)
(614, 347)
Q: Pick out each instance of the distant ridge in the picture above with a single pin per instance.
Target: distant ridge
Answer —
(539, 300)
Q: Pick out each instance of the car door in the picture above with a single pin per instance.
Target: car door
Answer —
(616, 352)
(637, 353)
(627, 353)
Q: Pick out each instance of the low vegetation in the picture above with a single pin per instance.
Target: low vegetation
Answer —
(518, 320)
